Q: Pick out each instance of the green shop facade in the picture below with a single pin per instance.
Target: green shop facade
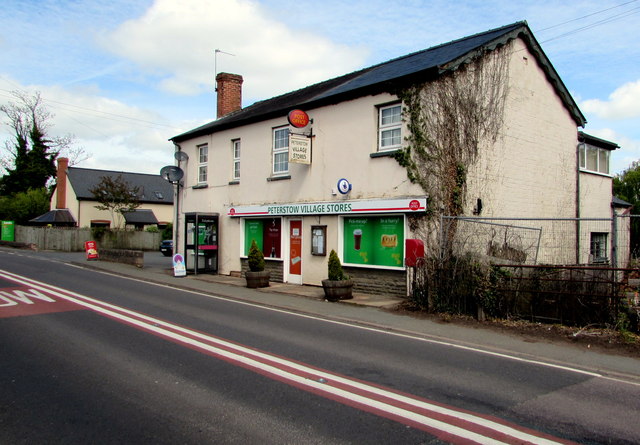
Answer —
(368, 235)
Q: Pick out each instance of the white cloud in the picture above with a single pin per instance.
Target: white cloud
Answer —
(115, 135)
(175, 41)
(623, 103)
(628, 152)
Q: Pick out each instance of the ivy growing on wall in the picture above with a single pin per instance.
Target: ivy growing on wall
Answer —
(449, 119)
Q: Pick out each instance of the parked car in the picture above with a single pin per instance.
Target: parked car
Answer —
(166, 247)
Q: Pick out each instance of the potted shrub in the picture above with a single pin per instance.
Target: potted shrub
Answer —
(338, 286)
(256, 275)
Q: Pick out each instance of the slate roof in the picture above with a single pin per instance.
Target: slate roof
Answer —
(596, 142)
(617, 202)
(140, 216)
(420, 66)
(56, 217)
(153, 189)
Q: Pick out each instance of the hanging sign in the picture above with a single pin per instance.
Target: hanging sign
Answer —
(299, 149)
(298, 118)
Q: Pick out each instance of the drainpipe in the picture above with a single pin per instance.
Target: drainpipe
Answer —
(578, 148)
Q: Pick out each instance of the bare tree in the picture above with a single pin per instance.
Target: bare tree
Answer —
(30, 123)
(449, 120)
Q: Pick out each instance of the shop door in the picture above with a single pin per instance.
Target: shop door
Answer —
(295, 252)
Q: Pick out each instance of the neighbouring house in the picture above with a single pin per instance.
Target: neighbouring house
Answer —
(73, 204)
(364, 163)
(595, 195)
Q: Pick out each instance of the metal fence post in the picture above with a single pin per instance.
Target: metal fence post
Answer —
(614, 240)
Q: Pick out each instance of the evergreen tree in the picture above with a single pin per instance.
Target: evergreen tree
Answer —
(626, 186)
(29, 159)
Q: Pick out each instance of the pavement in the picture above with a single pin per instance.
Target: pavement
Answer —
(371, 312)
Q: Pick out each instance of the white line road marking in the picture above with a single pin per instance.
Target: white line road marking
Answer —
(417, 336)
(442, 421)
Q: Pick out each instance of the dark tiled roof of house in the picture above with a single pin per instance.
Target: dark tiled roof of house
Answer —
(617, 202)
(390, 76)
(56, 217)
(597, 142)
(140, 216)
(153, 189)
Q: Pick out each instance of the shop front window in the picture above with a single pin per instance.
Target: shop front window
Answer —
(374, 241)
(266, 232)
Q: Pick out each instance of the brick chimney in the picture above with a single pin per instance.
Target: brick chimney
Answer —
(61, 183)
(229, 88)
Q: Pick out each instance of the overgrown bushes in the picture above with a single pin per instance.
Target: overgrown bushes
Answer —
(471, 285)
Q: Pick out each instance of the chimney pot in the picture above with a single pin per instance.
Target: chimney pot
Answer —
(229, 88)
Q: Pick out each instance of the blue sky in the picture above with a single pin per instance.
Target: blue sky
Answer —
(124, 76)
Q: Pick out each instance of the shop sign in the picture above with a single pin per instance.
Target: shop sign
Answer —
(401, 205)
(299, 149)
(298, 118)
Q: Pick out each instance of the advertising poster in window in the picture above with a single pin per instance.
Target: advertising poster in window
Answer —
(266, 232)
(272, 236)
(253, 229)
(375, 241)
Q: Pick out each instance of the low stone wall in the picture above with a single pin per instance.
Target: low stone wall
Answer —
(18, 245)
(273, 266)
(378, 281)
(133, 257)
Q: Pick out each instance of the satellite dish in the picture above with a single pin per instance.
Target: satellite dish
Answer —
(171, 173)
(180, 156)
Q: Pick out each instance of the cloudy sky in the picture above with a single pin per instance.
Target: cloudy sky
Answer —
(124, 76)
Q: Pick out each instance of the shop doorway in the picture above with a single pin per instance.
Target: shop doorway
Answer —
(201, 242)
(294, 257)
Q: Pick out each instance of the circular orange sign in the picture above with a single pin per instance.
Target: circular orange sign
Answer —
(298, 118)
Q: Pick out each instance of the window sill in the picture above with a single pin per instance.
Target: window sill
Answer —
(234, 182)
(266, 258)
(278, 178)
(200, 186)
(591, 172)
(384, 154)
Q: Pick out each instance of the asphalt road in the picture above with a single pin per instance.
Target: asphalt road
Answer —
(106, 359)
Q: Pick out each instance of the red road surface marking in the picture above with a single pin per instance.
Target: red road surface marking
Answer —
(24, 300)
(445, 422)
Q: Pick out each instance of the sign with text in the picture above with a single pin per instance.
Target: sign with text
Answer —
(299, 149)
(298, 118)
(179, 268)
(399, 205)
(92, 250)
(376, 241)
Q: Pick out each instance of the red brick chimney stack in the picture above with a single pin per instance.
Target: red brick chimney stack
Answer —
(61, 183)
(229, 88)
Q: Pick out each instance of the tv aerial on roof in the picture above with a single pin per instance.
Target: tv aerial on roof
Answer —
(171, 173)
